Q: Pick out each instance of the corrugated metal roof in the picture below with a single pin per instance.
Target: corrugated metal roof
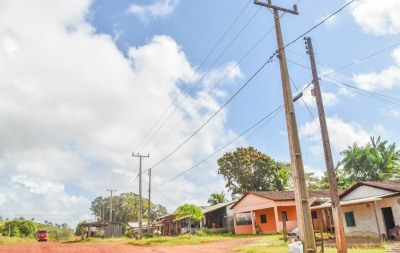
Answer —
(217, 206)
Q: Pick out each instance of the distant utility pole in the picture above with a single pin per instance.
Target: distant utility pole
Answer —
(336, 209)
(140, 192)
(306, 230)
(148, 205)
(111, 208)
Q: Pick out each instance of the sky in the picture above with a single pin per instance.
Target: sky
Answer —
(85, 84)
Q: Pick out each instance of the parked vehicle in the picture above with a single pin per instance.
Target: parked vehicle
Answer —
(42, 235)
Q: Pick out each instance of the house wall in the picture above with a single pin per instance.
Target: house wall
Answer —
(365, 192)
(318, 223)
(364, 216)
(252, 202)
(394, 203)
(216, 219)
(260, 206)
(270, 226)
(242, 229)
(291, 222)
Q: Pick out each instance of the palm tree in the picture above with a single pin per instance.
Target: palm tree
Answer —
(217, 198)
(377, 161)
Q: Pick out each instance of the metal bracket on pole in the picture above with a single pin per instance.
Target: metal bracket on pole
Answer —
(269, 5)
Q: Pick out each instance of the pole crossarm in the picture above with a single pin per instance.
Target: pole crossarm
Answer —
(269, 5)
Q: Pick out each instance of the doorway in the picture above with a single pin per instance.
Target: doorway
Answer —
(388, 219)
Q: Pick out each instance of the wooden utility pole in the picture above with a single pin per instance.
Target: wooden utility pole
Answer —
(306, 230)
(336, 209)
(140, 193)
(148, 205)
(111, 207)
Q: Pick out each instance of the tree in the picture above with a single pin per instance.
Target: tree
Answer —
(217, 198)
(313, 182)
(247, 169)
(377, 161)
(125, 207)
(189, 212)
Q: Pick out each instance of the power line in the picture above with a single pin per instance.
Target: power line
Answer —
(248, 81)
(194, 74)
(223, 147)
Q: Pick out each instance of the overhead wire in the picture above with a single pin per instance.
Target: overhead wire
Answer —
(247, 82)
(195, 73)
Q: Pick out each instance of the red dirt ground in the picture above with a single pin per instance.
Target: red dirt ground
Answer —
(122, 247)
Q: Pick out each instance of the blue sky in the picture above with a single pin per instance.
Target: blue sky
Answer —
(85, 84)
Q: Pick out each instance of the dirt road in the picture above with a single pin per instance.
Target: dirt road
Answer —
(122, 247)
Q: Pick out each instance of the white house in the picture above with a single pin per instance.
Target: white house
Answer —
(369, 208)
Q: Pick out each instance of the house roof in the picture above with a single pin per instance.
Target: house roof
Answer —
(393, 186)
(354, 201)
(285, 195)
(217, 206)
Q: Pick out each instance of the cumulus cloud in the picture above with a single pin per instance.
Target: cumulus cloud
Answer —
(73, 108)
(158, 9)
(328, 98)
(341, 134)
(386, 79)
(377, 18)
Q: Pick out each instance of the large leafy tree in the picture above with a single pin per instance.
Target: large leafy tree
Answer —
(217, 198)
(377, 161)
(125, 208)
(189, 212)
(247, 169)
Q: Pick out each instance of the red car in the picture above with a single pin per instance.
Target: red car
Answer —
(42, 235)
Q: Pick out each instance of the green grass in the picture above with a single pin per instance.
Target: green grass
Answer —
(9, 240)
(182, 239)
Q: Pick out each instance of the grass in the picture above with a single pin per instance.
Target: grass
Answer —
(10, 240)
(185, 239)
(274, 244)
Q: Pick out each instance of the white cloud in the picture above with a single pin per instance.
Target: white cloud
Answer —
(395, 113)
(386, 79)
(328, 98)
(329, 22)
(378, 18)
(73, 109)
(341, 134)
(160, 8)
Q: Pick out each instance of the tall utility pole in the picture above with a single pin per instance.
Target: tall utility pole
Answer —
(336, 209)
(306, 230)
(140, 192)
(148, 205)
(111, 208)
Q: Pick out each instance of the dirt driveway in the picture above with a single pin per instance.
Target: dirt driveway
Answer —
(122, 247)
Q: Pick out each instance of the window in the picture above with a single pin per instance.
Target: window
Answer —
(243, 219)
(314, 215)
(263, 218)
(284, 215)
(350, 221)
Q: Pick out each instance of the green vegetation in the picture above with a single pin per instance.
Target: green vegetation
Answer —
(182, 239)
(189, 212)
(247, 169)
(21, 230)
(217, 198)
(127, 205)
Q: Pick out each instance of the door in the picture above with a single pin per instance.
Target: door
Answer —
(388, 219)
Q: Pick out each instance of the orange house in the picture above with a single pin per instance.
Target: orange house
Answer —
(265, 210)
